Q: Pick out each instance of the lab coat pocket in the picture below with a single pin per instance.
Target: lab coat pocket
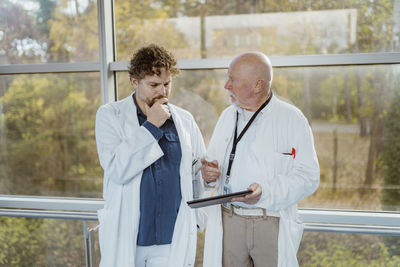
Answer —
(283, 164)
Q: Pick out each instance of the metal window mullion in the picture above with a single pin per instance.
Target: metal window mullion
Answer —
(107, 50)
(286, 61)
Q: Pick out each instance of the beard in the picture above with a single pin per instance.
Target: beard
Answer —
(231, 96)
(150, 102)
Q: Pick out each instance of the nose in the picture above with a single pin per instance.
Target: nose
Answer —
(162, 90)
(227, 85)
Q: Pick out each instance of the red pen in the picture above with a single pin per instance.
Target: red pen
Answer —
(291, 154)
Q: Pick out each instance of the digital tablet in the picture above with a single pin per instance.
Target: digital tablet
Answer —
(208, 201)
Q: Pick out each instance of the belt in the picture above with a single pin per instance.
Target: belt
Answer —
(250, 212)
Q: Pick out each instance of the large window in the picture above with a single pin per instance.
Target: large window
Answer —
(210, 29)
(347, 108)
(48, 31)
(337, 61)
(47, 135)
(47, 119)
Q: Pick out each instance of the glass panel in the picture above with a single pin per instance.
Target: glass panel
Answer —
(41, 242)
(332, 249)
(39, 31)
(196, 91)
(93, 234)
(214, 29)
(47, 135)
(354, 115)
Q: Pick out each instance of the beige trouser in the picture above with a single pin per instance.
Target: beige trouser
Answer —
(249, 241)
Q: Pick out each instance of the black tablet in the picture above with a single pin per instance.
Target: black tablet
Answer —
(208, 201)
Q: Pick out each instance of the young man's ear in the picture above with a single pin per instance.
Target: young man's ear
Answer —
(134, 83)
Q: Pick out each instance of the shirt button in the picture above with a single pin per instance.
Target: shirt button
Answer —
(158, 214)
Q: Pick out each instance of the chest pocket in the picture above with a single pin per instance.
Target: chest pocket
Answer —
(171, 137)
(283, 164)
(172, 145)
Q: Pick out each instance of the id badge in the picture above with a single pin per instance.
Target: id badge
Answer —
(227, 189)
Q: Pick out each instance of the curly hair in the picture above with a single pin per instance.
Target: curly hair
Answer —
(149, 60)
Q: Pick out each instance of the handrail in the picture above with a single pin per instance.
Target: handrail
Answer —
(51, 203)
(310, 226)
(44, 214)
(316, 220)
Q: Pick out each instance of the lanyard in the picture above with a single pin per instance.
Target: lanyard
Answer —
(237, 139)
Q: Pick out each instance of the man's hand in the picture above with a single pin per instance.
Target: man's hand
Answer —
(210, 170)
(158, 113)
(252, 198)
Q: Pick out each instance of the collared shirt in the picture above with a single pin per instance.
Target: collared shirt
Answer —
(241, 178)
(160, 190)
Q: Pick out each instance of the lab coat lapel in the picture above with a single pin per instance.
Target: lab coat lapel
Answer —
(128, 116)
(218, 147)
(184, 139)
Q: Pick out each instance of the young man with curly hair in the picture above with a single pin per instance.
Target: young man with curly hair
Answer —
(146, 147)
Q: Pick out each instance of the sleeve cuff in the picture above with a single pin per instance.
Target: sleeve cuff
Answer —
(210, 184)
(154, 130)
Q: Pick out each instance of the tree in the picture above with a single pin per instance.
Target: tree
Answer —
(391, 158)
(49, 129)
(19, 38)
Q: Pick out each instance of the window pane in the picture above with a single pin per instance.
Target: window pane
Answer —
(196, 91)
(333, 249)
(39, 31)
(354, 114)
(41, 242)
(214, 29)
(47, 135)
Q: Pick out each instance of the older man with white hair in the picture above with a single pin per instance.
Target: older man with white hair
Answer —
(266, 145)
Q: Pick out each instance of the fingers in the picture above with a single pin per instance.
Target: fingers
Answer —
(213, 163)
(252, 198)
(210, 170)
(159, 112)
(161, 101)
(253, 187)
(210, 174)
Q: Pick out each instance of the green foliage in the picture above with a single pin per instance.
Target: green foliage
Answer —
(391, 159)
(391, 155)
(339, 255)
(342, 250)
(49, 128)
(21, 241)
(38, 242)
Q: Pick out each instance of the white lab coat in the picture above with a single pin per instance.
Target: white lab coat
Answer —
(286, 180)
(125, 149)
